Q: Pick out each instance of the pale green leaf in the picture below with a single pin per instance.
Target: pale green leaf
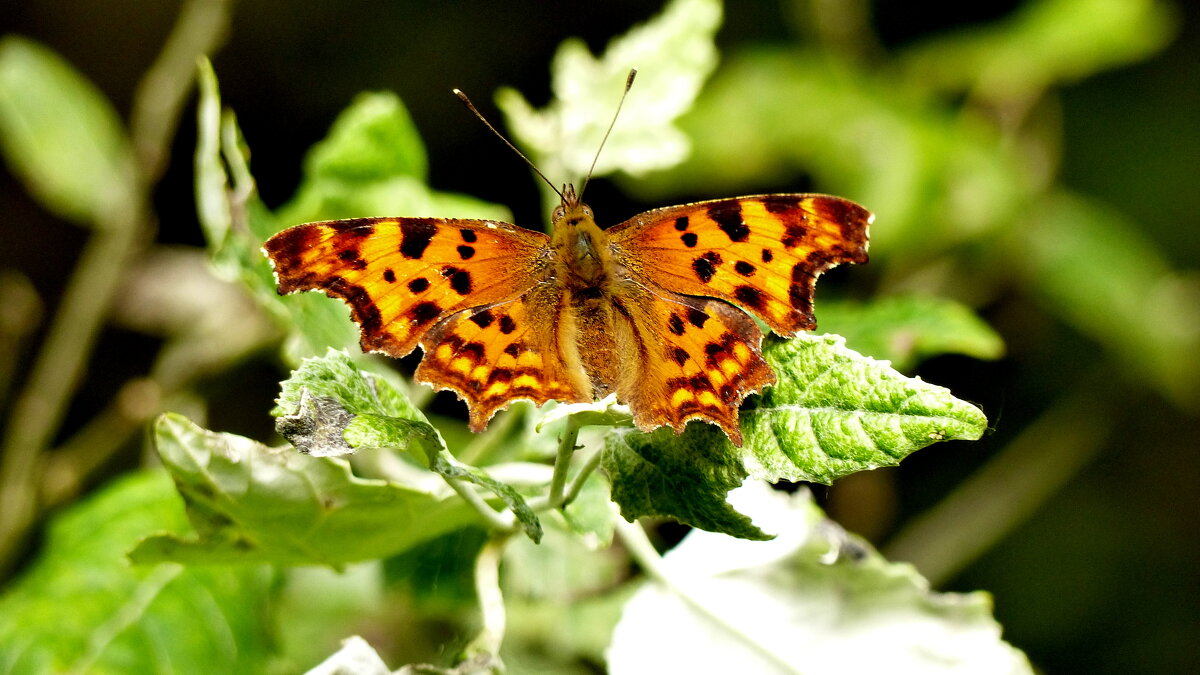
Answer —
(908, 329)
(815, 600)
(834, 412)
(685, 477)
(674, 54)
(62, 137)
(82, 608)
(252, 503)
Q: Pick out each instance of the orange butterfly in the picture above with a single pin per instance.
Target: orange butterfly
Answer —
(653, 310)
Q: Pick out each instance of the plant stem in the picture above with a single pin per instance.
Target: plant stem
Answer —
(500, 522)
(491, 604)
(592, 463)
(641, 550)
(562, 462)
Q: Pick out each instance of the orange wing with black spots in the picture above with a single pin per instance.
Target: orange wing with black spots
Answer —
(704, 360)
(763, 253)
(401, 276)
(493, 355)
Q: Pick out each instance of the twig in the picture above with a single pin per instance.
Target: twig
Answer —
(491, 604)
(501, 522)
(562, 462)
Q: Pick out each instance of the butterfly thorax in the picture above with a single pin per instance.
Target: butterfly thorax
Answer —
(581, 246)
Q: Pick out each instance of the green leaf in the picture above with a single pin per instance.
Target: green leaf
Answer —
(330, 407)
(1042, 44)
(685, 477)
(372, 163)
(251, 503)
(815, 600)
(62, 137)
(908, 329)
(834, 412)
(674, 53)
(1100, 273)
(82, 608)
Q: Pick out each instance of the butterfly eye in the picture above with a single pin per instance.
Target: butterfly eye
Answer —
(587, 211)
(559, 212)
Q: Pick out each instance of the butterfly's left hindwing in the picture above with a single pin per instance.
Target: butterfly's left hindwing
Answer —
(401, 276)
(762, 253)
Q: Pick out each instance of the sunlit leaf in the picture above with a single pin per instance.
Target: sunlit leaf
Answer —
(82, 608)
(834, 412)
(815, 600)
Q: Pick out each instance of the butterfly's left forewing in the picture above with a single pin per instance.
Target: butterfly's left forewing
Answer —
(401, 276)
(762, 253)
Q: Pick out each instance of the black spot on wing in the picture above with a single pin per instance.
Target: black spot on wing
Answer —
(473, 351)
(424, 312)
(749, 296)
(778, 204)
(681, 223)
(353, 259)
(483, 318)
(767, 256)
(468, 236)
(696, 317)
(744, 268)
(705, 266)
(675, 324)
(389, 276)
(689, 239)
(680, 355)
(418, 285)
(465, 252)
(728, 216)
(507, 325)
(513, 350)
(415, 235)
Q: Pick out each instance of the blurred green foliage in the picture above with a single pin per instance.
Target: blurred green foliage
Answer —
(989, 200)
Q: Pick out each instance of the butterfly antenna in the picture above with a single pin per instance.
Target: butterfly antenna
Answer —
(628, 86)
(471, 107)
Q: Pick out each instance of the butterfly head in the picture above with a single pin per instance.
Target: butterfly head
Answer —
(571, 211)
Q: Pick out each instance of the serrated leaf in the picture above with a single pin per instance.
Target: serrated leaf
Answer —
(82, 608)
(814, 600)
(834, 412)
(685, 477)
(330, 407)
(62, 137)
(372, 163)
(251, 503)
(907, 329)
(674, 53)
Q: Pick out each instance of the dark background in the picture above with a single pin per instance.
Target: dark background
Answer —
(1102, 578)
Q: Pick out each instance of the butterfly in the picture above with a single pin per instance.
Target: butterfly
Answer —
(656, 310)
